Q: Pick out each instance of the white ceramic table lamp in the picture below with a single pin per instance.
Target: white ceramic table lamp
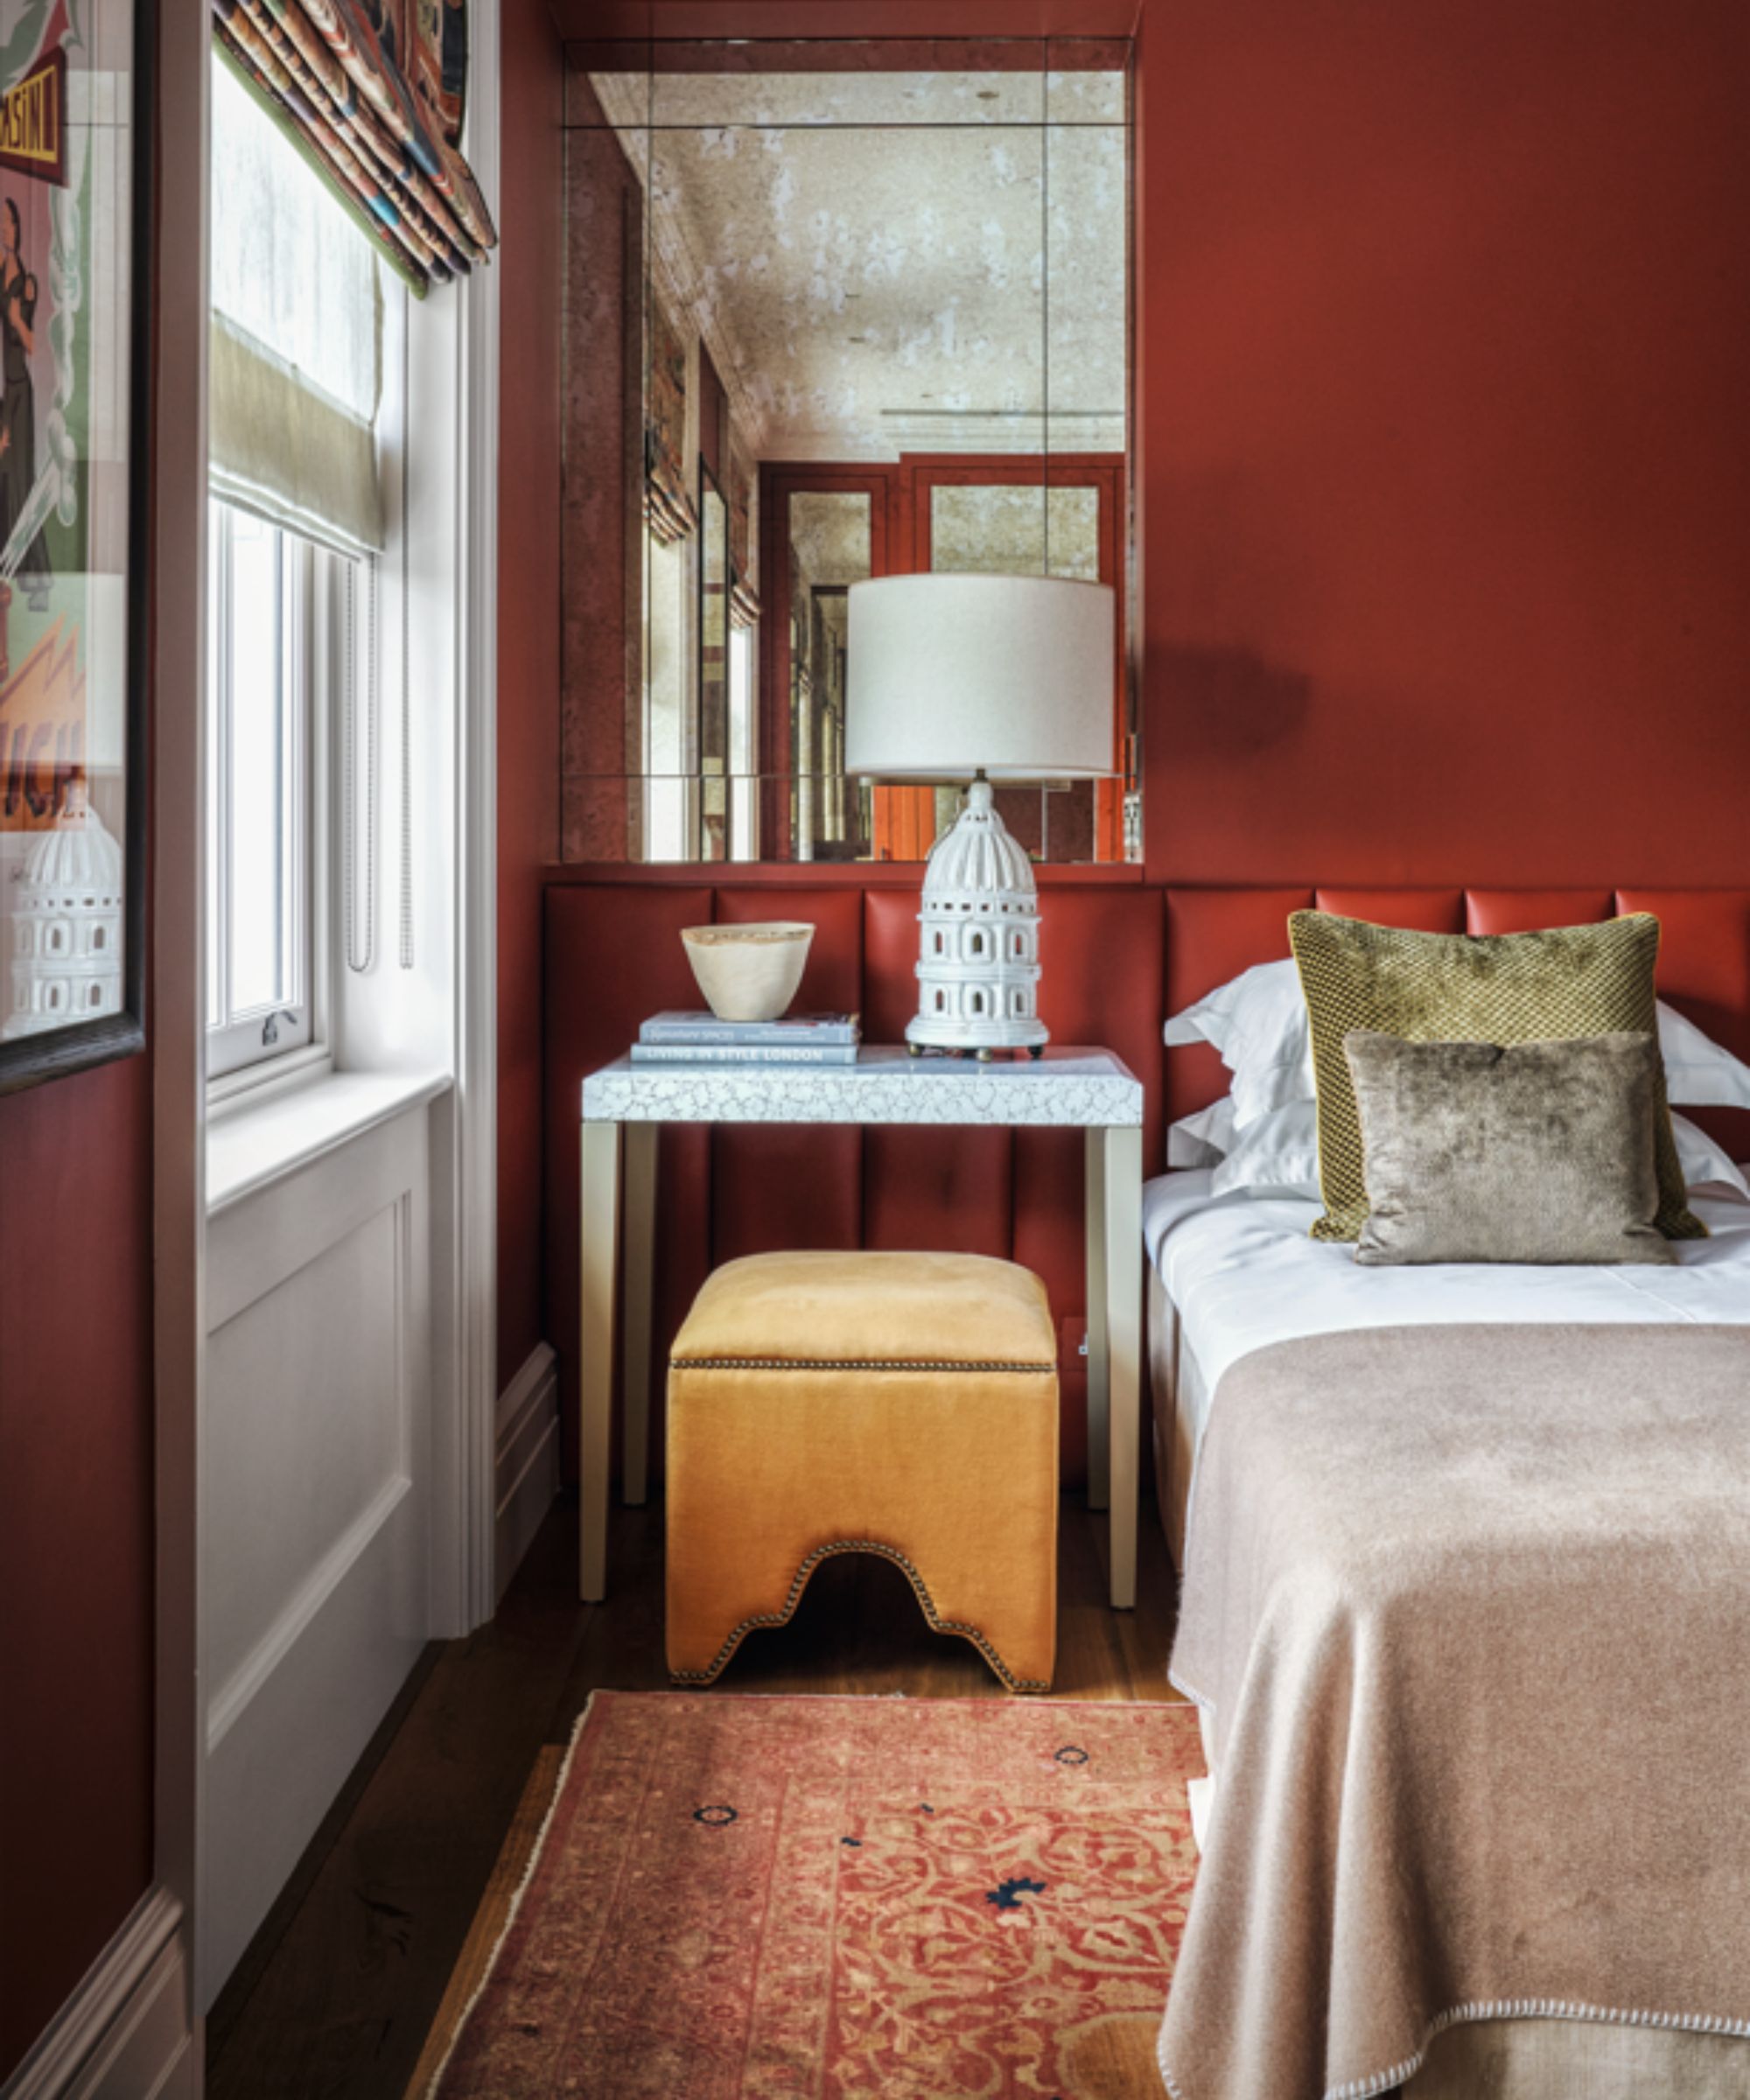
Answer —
(979, 678)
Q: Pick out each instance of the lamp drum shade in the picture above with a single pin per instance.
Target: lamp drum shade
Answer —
(951, 676)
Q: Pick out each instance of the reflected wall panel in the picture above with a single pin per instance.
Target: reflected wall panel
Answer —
(850, 259)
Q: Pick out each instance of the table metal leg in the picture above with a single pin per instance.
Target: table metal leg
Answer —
(640, 1267)
(1124, 1251)
(1099, 1383)
(600, 1235)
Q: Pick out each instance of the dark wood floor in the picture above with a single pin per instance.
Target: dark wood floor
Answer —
(333, 1999)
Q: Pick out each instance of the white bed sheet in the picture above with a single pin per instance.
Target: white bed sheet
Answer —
(1242, 1274)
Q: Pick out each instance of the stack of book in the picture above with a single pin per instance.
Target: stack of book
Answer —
(701, 1038)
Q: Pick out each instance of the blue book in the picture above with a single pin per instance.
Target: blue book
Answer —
(705, 1028)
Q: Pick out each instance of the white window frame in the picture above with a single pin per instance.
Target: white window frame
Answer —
(267, 1043)
(744, 719)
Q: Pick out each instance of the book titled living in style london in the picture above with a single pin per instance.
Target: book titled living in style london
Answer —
(803, 1039)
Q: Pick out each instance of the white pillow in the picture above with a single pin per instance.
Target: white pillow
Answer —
(1709, 1169)
(1201, 1139)
(1699, 1072)
(1278, 1155)
(1258, 1022)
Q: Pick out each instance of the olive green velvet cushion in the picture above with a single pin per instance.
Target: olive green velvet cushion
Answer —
(1529, 1153)
(1489, 988)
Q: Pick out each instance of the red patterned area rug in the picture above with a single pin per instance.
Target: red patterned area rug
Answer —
(739, 1898)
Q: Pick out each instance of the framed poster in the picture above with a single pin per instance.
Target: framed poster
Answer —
(75, 231)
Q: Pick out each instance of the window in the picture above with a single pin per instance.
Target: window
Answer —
(298, 427)
(743, 808)
(667, 835)
(261, 967)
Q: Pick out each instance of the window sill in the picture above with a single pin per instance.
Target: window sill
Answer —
(254, 1144)
(232, 1092)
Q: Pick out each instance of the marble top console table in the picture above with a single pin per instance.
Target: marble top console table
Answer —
(624, 1106)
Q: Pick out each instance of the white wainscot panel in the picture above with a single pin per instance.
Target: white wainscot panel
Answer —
(316, 1480)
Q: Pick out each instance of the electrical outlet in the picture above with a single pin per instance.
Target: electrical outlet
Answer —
(1072, 1346)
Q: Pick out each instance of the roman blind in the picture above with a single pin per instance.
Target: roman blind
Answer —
(295, 374)
(668, 505)
(744, 597)
(372, 93)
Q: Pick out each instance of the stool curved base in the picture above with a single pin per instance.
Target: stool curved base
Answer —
(800, 1582)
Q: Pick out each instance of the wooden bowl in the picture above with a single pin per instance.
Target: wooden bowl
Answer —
(749, 973)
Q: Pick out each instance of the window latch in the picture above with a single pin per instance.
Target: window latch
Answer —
(270, 1026)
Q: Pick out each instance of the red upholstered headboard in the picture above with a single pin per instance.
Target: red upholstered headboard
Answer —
(1704, 956)
(1119, 956)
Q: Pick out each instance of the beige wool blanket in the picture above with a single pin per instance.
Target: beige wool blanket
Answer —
(1469, 1608)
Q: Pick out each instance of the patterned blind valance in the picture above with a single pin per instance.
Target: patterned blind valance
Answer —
(743, 595)
(667, 505)
(371, 91)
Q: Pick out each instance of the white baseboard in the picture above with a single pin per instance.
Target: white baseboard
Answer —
(527, 1459)
(126, 2033)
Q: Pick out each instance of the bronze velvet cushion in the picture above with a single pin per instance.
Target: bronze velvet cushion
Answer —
(899, 1404)
(1491, 988)
(1480, 1153)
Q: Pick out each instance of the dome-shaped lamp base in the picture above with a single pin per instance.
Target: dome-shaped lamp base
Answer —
(978, 967)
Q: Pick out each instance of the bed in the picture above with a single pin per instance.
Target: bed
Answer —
(1228, 1274)
(1477, 1829)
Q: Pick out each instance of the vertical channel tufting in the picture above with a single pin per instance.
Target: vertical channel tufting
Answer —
(610, 955)
(788, 1186)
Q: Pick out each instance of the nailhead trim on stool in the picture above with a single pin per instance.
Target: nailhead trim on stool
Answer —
(863, 1545)
(839, 1363)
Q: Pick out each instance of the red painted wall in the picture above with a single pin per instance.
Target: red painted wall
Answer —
(1444, 424)
(530, 264)
(75, 1531)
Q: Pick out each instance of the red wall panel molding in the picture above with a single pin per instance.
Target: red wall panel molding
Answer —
(612, 956)
(1704, 956)
(788, 1186)
(76, 1563)
(1528, 911)
(1423, 911)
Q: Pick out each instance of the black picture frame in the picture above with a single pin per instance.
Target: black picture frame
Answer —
(31, 1059)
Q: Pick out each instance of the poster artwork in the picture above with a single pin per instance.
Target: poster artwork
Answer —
(69, 964)
(51, 167)
(33, 122)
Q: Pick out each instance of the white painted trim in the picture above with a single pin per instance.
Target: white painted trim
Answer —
(524, 1390)
(466, 1593)
(233, 1092)
(240, 1687)
(527, 1461)
(126, 2032)
(251, 1148)
(177, 1020)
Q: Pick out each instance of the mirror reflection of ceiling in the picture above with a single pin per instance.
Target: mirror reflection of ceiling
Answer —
(829, 535)
(992, 530)
(889, 262)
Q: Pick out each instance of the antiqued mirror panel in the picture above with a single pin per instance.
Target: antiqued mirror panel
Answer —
(835, 310)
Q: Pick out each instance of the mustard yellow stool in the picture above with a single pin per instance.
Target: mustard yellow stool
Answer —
(901, 1405)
